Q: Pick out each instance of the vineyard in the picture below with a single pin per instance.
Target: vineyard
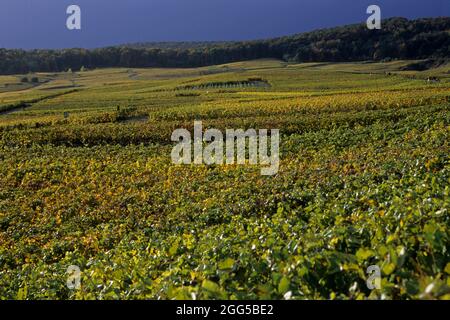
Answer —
(86, 179)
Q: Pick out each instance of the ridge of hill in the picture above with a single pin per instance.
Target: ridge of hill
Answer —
(399, 38)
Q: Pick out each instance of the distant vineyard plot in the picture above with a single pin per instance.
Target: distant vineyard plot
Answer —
(249, 83)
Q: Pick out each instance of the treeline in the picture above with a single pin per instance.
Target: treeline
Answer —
(399, 38)
(184, 45)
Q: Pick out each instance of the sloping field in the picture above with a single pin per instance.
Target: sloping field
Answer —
(86, 179)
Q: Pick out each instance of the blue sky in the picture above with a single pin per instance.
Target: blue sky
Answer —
(42, 23)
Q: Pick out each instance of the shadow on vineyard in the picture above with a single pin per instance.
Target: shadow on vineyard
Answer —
(251, 82)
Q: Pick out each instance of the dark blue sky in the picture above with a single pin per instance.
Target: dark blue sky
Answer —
(42, 23)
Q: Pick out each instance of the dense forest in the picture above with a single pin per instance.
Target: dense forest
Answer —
(399, 38)
(179, 45)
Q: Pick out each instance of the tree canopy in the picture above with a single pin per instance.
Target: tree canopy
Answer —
(399, 38)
